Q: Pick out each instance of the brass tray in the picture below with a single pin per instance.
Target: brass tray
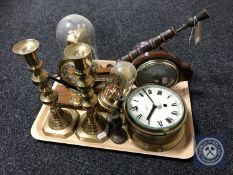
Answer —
(184, 150)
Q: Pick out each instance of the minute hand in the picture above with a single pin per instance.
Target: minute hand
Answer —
(149, 97)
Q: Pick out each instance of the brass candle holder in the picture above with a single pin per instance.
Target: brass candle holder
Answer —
(92, 126)
(60, 123)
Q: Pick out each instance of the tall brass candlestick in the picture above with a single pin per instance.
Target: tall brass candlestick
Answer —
(92, 126)
(60, 123)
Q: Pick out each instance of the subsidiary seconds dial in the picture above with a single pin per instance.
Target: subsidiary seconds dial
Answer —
(155, 108)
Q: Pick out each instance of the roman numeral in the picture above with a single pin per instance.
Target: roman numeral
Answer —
(149, 91)
(136, 100)
(160, 123)
(175, 112)
(174, 104)
(141, 94)
(159, 92)
(169, 120)
(134, 108)
(139, 116)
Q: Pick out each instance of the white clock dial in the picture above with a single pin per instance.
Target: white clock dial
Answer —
(155, 107)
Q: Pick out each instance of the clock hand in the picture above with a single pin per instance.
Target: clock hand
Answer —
(149, 97)
(151, 112)
(153, 107)
(159, 106)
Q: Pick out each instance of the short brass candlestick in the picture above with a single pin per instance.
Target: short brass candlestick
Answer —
(92, 126)
(60, 123)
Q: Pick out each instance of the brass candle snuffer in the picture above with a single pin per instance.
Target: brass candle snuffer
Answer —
(152, 116)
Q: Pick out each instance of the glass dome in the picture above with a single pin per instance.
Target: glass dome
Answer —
(126, 72)
(74, 29)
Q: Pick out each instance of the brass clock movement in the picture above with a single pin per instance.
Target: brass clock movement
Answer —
(128, 102)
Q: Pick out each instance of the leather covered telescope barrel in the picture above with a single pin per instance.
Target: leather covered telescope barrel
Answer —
(155, 42)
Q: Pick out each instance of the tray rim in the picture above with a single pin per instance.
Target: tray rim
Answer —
(38, 133)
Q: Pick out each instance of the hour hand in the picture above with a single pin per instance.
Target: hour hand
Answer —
(151, 112)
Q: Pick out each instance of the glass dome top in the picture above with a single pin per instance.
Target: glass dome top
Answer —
(74, 29)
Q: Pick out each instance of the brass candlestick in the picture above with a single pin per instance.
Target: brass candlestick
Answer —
(81, 55)
(92, 126)
(60, 122)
